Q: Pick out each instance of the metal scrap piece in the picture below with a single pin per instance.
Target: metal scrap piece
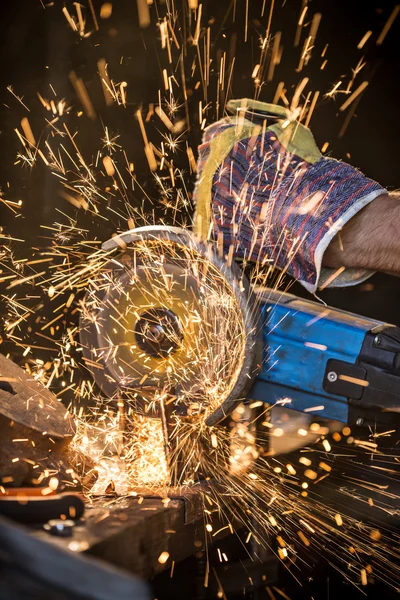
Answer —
(35, 428)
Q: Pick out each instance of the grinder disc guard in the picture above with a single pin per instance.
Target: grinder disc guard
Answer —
(166, 318)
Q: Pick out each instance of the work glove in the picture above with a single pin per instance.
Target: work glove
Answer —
(268, 195)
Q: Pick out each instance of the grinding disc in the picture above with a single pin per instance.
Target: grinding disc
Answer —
(167, 316)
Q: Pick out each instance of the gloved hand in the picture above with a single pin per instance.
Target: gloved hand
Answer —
(269, 192)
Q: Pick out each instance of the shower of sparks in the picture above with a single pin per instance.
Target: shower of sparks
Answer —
(252, 482)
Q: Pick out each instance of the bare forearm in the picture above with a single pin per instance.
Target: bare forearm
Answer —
(370, 240)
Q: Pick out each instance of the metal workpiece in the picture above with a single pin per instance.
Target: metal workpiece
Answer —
(133, 532)
(35, 428)
(24, 400)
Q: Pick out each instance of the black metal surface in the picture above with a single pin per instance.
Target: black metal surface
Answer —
(132, 532)
(333, 381)
(33, 569)
(38, 509)
(205, 577)
(372, 385)
(379, 356)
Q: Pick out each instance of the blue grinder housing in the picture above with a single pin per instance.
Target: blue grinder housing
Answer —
(325, 361)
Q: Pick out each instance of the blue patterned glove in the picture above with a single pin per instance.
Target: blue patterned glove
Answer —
(265, 189)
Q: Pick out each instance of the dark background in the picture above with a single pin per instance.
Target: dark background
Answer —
(37, 47)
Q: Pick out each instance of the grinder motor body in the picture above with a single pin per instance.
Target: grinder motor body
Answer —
(326, 361)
